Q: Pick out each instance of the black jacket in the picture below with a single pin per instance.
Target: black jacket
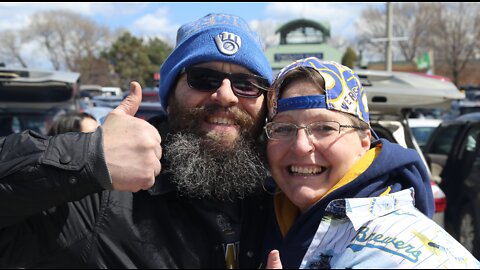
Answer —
(54, 213)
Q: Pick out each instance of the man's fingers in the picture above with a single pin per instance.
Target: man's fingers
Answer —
(158, 152)
(157, 168)
(131, 103)
(149, 184)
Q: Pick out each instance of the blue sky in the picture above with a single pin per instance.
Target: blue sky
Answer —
(180, 13)
(162, 19)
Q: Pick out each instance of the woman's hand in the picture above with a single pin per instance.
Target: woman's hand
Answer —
(273, 261)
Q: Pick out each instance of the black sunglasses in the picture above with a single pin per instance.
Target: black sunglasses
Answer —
(209, 80)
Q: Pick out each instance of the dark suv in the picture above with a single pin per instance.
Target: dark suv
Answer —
(31, 99)
(453, 153)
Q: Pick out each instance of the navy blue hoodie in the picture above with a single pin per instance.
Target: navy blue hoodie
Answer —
(394, 167)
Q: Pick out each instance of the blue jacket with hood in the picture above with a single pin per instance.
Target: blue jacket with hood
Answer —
(393, 169)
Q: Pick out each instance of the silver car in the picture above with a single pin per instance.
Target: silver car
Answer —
(31, 99)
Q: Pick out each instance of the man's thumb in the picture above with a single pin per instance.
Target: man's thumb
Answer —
(130, 104)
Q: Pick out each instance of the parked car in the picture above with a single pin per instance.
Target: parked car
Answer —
(99, 113)
(149, 107)
(112, 91)
(90, 90)
(391, 98)
(468, 106)
(93, 90)
(422, 128)
(453, 153)
(106, 101)
(472, 92)
(31, 99)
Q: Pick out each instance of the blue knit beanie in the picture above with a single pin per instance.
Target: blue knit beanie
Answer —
(215, 37)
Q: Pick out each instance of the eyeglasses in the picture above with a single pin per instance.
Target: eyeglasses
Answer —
(318, 130)
(209, 80)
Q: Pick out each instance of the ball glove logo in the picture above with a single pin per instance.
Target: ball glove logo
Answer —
(228, 43)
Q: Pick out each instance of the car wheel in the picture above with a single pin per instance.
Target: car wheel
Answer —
(468, 231)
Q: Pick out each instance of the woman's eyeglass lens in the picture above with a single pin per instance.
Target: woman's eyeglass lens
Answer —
(318, 130)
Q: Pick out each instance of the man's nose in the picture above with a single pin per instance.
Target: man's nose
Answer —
(225, 95)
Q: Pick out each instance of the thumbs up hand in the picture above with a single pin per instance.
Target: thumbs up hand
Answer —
(131, 145)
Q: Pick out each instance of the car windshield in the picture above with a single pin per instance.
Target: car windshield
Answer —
(422, 134)
(443, 143)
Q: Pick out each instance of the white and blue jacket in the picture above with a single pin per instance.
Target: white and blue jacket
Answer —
(383, 232)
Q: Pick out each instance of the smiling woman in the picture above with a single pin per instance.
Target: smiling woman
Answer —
(354, 198)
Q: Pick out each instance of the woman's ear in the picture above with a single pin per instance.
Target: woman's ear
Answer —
(367, 140)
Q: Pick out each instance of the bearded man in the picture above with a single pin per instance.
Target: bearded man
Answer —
(204, 210)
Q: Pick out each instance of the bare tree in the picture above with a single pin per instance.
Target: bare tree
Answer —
(456, 35)
(339, 43)
(67, 37)
(11, 44)
(371, 25)
(411, 20)
(451, 30)
(414, 21)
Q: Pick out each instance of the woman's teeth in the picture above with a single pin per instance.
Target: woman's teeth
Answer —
(305, 170)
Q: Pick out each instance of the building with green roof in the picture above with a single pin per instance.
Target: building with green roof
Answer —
(300, 39)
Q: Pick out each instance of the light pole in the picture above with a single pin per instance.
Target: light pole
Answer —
(388, 56)
(389, 39)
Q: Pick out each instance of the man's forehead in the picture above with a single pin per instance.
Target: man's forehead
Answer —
(224, 66)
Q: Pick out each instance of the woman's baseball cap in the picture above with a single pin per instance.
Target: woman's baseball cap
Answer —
(343, 91)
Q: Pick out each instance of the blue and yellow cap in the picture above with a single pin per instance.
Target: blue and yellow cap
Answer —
(343, 91)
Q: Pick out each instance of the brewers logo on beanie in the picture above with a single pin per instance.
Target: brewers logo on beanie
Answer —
(215, 37)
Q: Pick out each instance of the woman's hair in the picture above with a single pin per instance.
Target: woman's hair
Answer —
(70, 122)
(300, 73)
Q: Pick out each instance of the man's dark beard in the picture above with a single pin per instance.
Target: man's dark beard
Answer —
(204, 167)
(213, 172)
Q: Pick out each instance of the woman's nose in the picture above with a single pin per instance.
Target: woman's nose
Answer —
(303, 142)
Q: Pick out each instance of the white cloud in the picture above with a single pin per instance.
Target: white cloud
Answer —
(16, 15)
(117, 9)
(156, 24)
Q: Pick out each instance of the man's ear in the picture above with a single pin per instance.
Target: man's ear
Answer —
(170, 98)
